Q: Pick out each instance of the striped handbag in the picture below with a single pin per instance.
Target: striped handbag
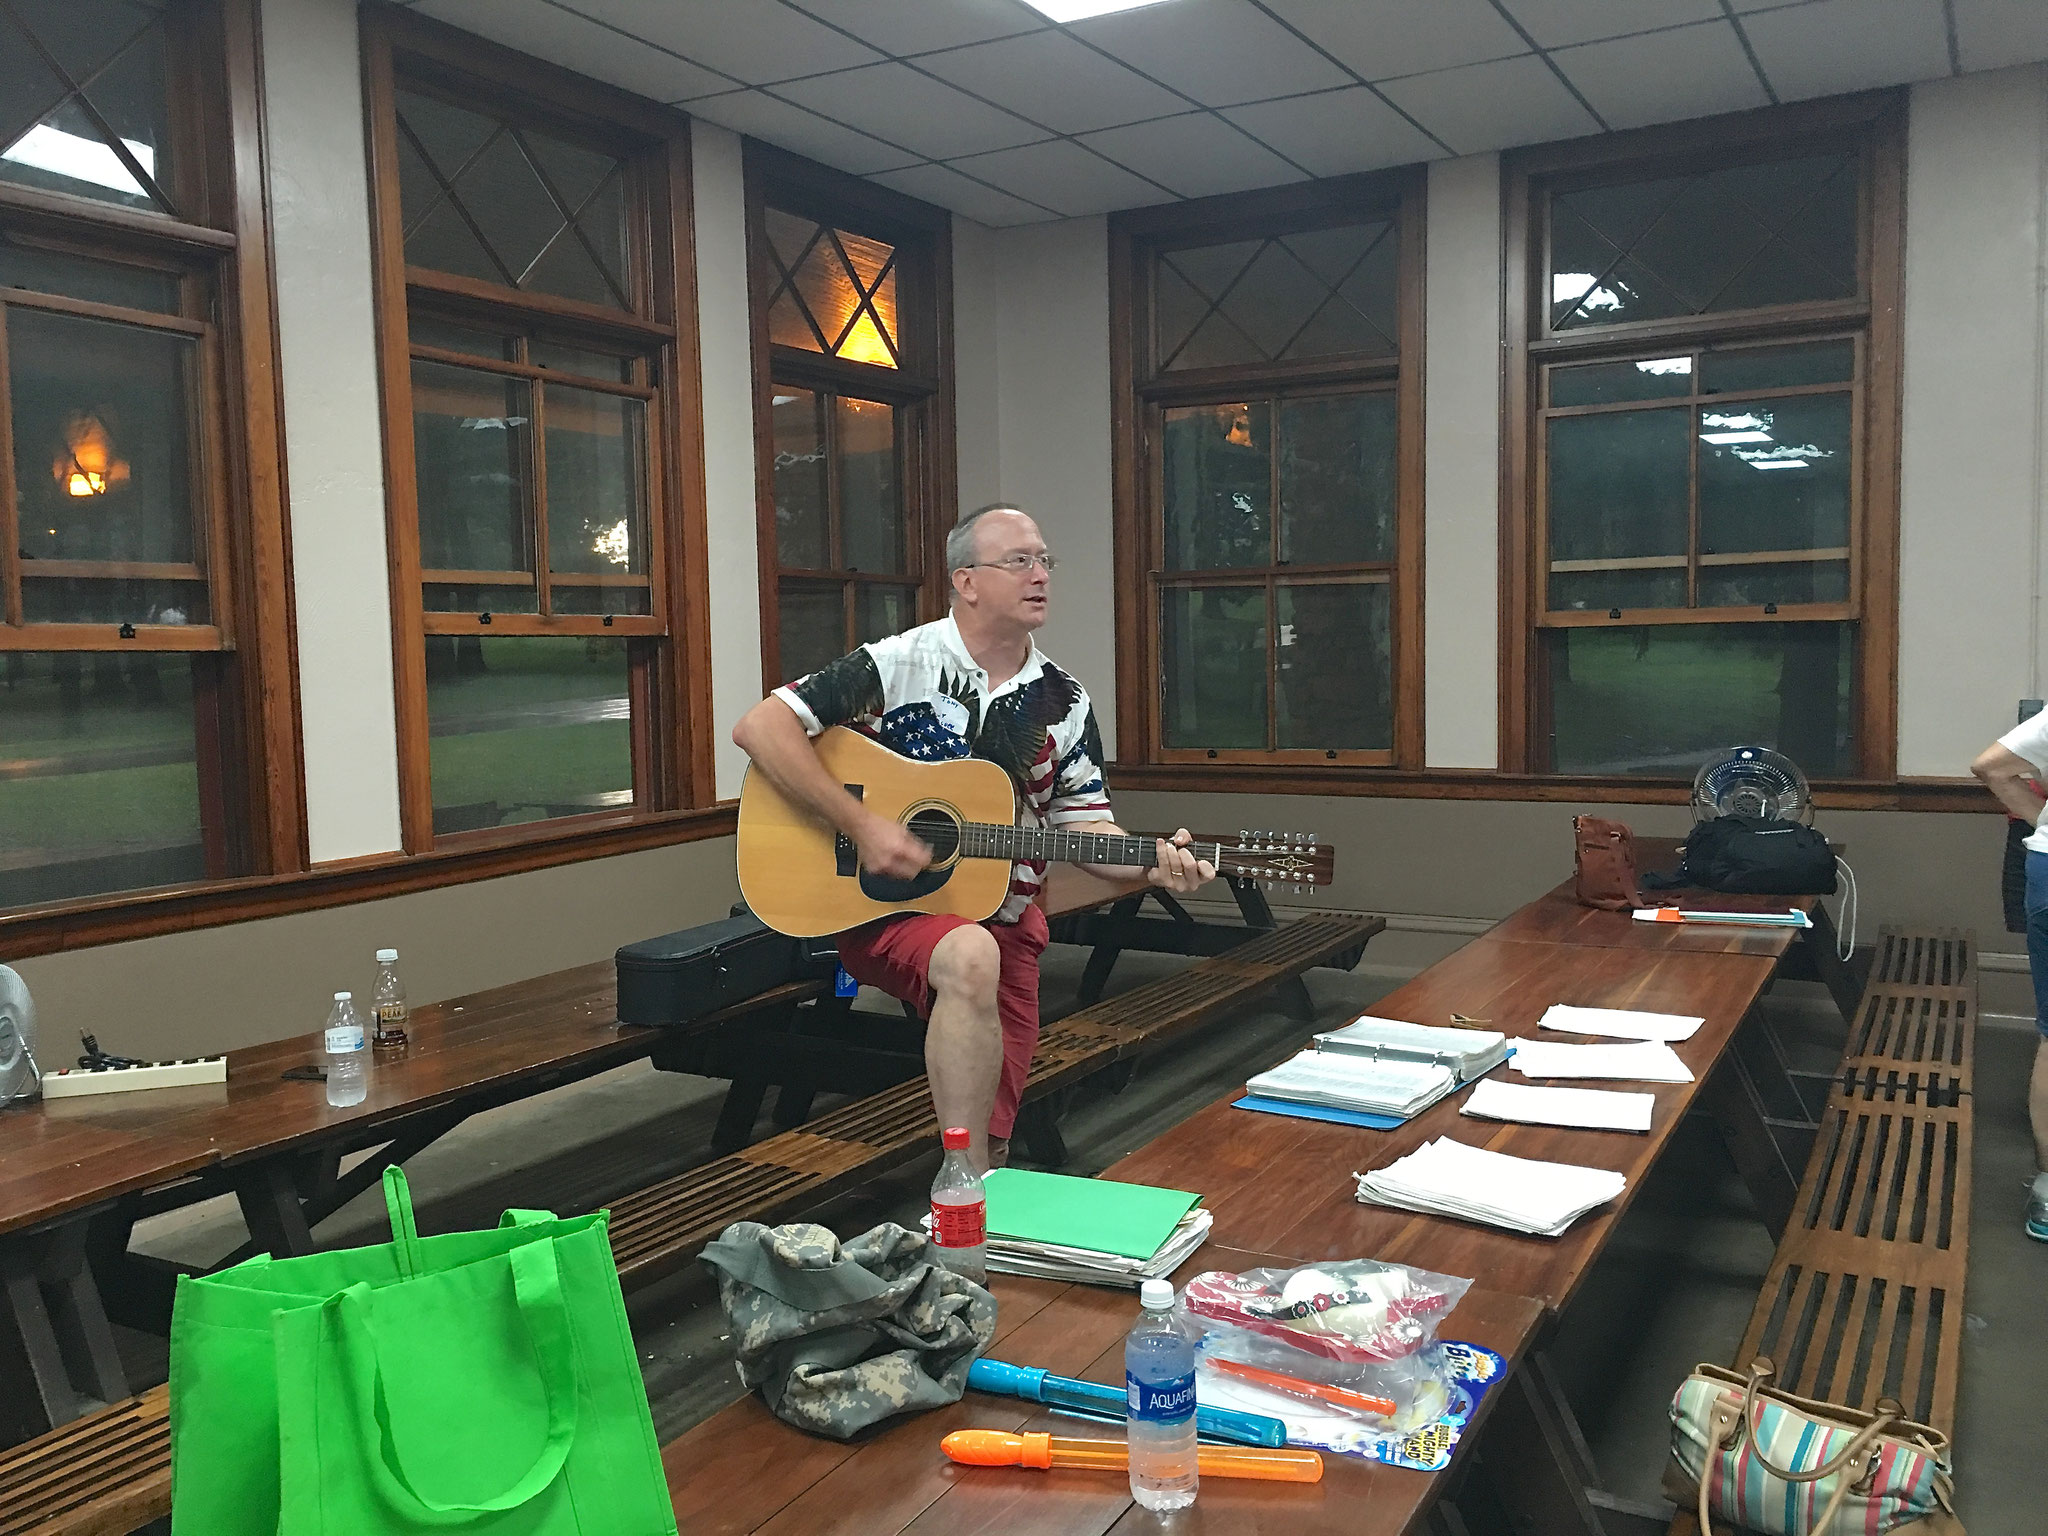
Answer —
(1791, 1466)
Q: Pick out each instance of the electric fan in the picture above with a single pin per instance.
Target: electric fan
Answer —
(19, 1078)
(1752, 781)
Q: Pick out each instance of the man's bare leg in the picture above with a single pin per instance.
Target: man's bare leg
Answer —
(963, 1043)
(2037, 1104)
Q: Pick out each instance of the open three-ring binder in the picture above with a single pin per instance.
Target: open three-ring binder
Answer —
(1379, 1069)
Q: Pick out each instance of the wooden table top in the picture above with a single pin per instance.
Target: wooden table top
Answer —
(1281, 1185)
(743, 1470)
(62, 1155)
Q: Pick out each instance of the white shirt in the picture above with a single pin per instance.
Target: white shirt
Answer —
(2029, 739)
(922, 694)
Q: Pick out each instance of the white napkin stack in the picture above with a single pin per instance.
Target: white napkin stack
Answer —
(1448, 1178)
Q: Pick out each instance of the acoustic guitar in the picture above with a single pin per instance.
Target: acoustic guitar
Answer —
(804, 879)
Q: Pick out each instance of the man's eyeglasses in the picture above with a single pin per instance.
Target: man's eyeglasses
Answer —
(1018, 565)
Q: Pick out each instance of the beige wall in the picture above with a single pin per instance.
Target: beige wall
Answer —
(1971, 497)
(319, 197)
(184, 994)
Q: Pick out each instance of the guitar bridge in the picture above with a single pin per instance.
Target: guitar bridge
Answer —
(846, 857)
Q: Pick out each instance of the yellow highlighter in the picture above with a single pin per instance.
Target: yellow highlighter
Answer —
(997, 1448)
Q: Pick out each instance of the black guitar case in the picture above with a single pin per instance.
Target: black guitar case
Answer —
(680, 977)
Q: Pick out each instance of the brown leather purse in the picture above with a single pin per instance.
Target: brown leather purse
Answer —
(1606, 864)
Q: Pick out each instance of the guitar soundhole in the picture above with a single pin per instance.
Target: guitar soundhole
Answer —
(939, 832)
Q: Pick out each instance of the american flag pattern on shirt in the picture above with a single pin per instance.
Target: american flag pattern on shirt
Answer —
(921, 694)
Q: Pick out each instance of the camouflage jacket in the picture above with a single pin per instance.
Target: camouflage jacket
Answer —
(838, 1336)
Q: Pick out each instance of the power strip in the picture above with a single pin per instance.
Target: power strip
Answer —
(76, 1082)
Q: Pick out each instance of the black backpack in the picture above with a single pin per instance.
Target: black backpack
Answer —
(1754, 856)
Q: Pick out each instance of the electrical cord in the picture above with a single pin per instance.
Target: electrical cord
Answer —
(1846, 939)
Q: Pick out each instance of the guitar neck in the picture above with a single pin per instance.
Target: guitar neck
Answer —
(1054, 845)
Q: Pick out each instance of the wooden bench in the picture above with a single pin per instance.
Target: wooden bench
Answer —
(110, 1471)
(1864, 1297)
(97, 1476)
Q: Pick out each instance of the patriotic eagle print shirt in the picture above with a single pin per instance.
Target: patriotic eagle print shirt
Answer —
(921, 694)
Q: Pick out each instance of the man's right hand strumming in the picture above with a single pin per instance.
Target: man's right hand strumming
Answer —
(892, 849)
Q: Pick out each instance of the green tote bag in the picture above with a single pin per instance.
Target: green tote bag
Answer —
(479, 1381)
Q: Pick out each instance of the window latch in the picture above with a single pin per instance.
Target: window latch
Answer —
(127, 631)
(484, 617)
(1614, 613)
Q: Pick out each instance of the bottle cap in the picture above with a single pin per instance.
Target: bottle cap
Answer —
(387, 956)
(342, 997)
(1156, 1295)
(954, 1138)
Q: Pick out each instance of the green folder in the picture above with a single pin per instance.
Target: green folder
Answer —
(1102, 1216)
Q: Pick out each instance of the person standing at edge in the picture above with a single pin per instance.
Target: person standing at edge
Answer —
(2011, 767)
(974, 683)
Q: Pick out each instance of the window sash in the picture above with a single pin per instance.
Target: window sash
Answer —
(1693, 561)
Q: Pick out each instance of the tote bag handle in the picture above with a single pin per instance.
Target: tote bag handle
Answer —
(405, 1231)
(537, 1283)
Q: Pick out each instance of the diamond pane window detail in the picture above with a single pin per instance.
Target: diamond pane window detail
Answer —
(834, 291)
(1321, 293)
(506, 203)
(1739, 237)
(85, 100)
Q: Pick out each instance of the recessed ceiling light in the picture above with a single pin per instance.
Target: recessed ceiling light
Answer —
(1081, 10)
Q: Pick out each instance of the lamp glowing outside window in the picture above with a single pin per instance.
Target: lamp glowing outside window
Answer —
(87, 466)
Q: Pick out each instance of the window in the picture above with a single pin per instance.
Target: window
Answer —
(1271, 537)
(852, 355)
(137, 748)
(526, 238)
(1709, 415)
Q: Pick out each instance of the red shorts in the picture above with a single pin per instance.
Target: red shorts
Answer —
(895, 954)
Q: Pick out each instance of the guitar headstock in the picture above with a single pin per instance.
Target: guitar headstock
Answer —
(1280, 861)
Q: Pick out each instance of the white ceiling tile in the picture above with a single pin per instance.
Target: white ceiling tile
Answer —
(1335, 132)
(1661, 77)
(949, 189)
(1379, 38)
(805, 133)
(1492, 106)
(917, 26)
(1051, 79)
(1196, 155)
(759, 41)
(1063, 175)
(1220, 52)
(1991, 34)
(575, 42)
(1849, 45)
(1560, 23)
(895, 102)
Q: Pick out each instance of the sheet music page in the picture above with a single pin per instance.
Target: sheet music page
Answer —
(1593, 1109)
(1622, 1023)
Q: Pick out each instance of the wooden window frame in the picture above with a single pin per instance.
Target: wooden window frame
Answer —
(1139, 396)
(1874, 123)
(252, 793)
(921, 390)
(670, 682)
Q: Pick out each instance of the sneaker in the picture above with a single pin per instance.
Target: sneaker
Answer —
(2037, 1219)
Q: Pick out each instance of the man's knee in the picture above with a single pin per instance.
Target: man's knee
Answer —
(967, 963)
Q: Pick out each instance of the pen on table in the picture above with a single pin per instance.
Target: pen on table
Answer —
(1306, 1391)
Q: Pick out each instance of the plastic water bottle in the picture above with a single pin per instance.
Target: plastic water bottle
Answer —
(960, 1211)
(1159, 1375)
(347, 1079)
(387, 1005)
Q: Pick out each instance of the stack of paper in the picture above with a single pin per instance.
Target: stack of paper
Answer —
(1649, 1061)
(1448, 1178)
(1467, 1052)
(1620, 1023)
(1592, 1109)
(1095, 1230)
(1337, 1080)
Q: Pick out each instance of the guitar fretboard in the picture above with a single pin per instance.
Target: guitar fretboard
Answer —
(1053, 845)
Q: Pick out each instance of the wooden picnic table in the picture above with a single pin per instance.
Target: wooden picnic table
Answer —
(744, 1471)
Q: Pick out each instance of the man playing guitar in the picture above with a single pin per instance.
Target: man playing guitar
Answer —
(975, 683)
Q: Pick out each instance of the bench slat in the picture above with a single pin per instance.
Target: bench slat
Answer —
(96, 1476)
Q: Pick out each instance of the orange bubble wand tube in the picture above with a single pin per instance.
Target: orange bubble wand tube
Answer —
(997, 1448)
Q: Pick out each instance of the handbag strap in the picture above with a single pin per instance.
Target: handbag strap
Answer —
(1821, 1526)
(537, 1287)
(1759, 1373)
(405, 1231)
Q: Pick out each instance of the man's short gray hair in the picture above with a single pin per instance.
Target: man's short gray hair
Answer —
(960, 550)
